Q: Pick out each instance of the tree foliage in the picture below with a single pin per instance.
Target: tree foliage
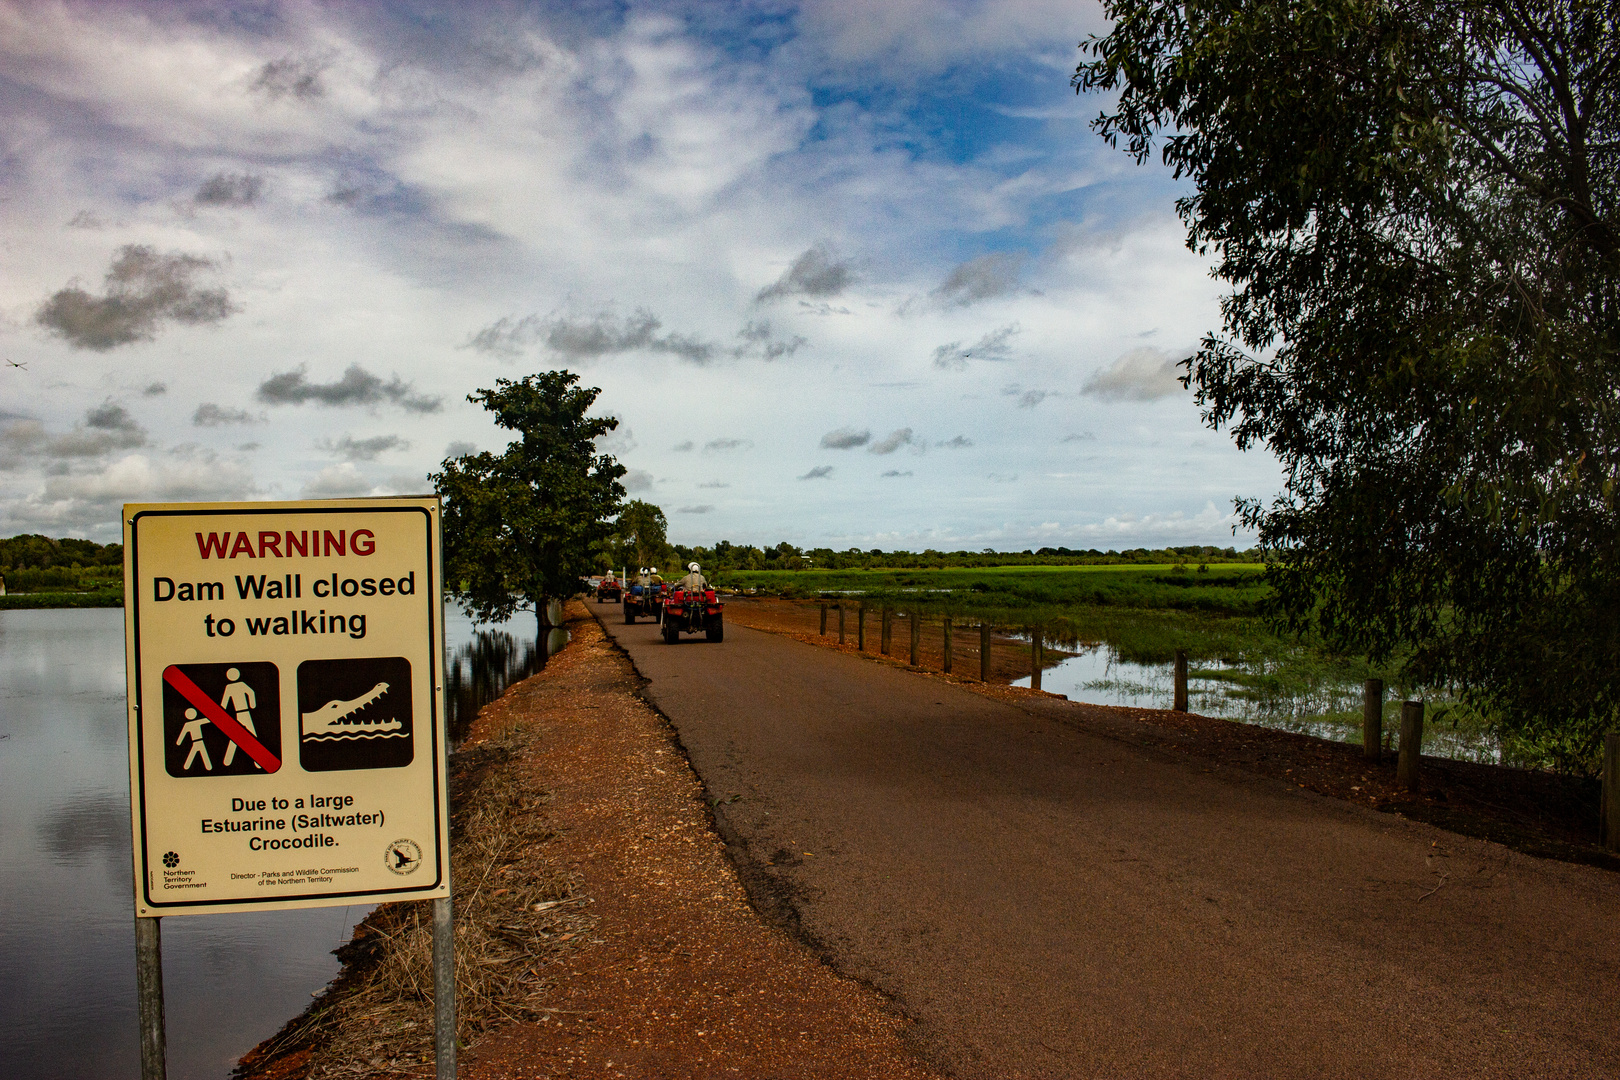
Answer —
(32, 550)
(643, 536)
(523, 526)
(1415, 205)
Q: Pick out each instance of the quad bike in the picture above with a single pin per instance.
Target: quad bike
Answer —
(643, 600)
(608, 591)
(692, 613)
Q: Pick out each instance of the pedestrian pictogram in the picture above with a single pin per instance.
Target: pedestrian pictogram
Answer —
(238, 700)
(355, 714)
(208, 716)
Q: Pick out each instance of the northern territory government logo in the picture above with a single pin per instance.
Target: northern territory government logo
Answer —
(355, 714)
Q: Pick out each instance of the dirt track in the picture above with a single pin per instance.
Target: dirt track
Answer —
(678, 977)
(1046, 900)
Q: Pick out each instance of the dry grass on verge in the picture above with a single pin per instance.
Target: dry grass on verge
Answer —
(514, 913)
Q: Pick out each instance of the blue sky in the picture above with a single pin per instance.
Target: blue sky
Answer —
(849, 274)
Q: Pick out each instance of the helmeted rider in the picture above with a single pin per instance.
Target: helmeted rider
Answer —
(694, 582)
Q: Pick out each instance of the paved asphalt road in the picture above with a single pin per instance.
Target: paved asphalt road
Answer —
(1048, 901)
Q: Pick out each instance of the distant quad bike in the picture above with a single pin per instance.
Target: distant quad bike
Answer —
(643, 600)
(607, 591)
(692, 613)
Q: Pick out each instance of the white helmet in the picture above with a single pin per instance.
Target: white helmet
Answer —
(692, 567)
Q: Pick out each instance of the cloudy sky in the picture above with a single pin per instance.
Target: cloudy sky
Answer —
(852, 272)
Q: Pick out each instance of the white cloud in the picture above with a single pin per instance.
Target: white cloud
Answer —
(643, 180)
(144, 290)
(983, 278)
(893, 441)
(845, 438)
(996, 345)
(209, 414)
(816, 273)
(80, 502)
(928, 35)
(337, 481)
(367, 449)
(1143, 374)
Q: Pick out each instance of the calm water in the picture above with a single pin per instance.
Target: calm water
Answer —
(1326, 709)
(67, 945)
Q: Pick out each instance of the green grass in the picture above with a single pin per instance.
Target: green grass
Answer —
(1145, 613)
(62, 578)
(1024, 594)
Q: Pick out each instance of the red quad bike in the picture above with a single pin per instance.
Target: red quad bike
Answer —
(608, 591)
(691, 613)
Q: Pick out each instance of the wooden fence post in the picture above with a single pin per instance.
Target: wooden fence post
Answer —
(1610, 825)
(823, 620)
(1372, 718)
(840, 624)
(885, 630)
(984, 652)
(1036, 647)
(860, 627)
(1180, 704)
(1406, 766)
(947, 667)
(916, 637)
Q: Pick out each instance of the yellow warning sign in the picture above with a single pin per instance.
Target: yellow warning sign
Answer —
(286, 738)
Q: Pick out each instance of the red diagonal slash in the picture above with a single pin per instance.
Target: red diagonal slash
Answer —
(222, 720)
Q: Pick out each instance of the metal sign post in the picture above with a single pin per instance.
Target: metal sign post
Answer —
(286, 719)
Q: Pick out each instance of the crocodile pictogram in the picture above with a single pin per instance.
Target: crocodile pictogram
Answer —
(334, 715)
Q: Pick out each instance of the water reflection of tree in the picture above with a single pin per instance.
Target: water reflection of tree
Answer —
(480, 671)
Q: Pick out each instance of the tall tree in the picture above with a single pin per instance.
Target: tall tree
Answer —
(643, 533)
(1415, 205)
(520, 528)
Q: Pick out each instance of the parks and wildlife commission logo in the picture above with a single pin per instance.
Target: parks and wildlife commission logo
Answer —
(403, 857)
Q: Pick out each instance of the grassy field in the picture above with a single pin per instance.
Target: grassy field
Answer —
(62, 586)
(1024, 592)
(1142, 614)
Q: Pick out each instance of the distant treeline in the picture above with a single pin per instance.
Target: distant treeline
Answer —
(32, 563)
(36, 552)
(784, 556)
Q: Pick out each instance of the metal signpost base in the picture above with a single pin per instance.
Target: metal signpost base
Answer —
(444, 990)
(149, 996)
